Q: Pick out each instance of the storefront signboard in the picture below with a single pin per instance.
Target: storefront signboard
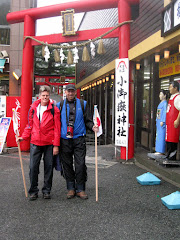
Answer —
(122, 102)
(170, 66)
(177, 13)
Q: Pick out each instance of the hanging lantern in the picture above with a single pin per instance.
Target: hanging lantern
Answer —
(101, 49)
(85, 55)
(166, 53)
(138, 66)
(56, 56)
(157, 57)
(70, 58)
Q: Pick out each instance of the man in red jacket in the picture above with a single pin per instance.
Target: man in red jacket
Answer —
(44, 129)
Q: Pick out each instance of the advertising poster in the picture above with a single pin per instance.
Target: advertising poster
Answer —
(4, 126)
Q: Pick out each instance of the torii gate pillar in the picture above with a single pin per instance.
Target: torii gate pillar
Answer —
(27, 75)
(124, 14)
(30, 15)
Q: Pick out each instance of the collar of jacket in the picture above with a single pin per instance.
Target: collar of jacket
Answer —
(37, 102)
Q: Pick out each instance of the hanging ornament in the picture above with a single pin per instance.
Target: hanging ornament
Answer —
(43, 51)
(47, 53)
(70, 58)
(76, 57)
(101, 49)
(62, 55)
(85, 55)
(56, 56)
(92, 46)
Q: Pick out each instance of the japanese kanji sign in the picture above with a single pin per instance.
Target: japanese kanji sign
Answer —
(122, 102)
(68, 22)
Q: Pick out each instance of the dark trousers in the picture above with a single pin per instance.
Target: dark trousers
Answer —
(75, 172)
(171, 150)
(36, 153)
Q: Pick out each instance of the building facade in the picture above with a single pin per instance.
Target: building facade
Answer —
(96, 78)
(4, 47)
(146, 41)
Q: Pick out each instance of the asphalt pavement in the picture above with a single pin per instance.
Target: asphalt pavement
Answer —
(125, 209)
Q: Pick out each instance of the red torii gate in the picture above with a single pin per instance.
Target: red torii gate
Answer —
(29, 17)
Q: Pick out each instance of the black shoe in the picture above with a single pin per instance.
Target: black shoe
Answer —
(33, 196)
(46, 196)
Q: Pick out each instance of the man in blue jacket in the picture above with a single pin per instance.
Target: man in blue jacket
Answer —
(75, 118)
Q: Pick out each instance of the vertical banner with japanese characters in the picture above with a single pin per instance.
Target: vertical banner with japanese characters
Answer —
(122, 102)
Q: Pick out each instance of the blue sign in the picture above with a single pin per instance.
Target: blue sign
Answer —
(2, 63)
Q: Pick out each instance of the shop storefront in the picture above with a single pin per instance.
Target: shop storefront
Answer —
(149, 80)
(156, 70)
(156, 63)
(101, 93)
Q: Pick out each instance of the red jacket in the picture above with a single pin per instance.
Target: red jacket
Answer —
(172, 133)
(46, 132)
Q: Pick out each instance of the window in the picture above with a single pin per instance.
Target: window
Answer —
(4, 27)
(4, 35)
(146, 97)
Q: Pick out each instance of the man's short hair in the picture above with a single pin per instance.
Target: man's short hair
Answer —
(44, 88)
(175, 84)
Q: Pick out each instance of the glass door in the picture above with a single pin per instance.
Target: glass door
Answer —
(143, 105)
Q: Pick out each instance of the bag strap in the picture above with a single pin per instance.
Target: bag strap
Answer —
(52, 111)
(82, 105)
(60, 105)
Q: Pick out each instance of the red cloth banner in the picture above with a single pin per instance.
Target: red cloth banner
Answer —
(12, 102)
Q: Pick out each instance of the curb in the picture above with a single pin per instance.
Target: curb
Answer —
(168, 174)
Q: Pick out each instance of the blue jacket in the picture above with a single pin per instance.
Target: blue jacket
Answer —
(79, 124)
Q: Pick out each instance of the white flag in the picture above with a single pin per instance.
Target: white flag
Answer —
(15, 122)
(98, 121)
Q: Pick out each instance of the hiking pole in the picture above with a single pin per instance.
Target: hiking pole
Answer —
(22, 169)
(15, 127)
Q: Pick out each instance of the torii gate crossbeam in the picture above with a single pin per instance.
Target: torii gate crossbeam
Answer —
(29, 17)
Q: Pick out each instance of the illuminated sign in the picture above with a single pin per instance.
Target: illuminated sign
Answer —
(170, 66)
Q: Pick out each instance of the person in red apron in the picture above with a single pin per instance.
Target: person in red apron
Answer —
(173, 121)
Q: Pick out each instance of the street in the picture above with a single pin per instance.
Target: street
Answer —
(125, 210)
